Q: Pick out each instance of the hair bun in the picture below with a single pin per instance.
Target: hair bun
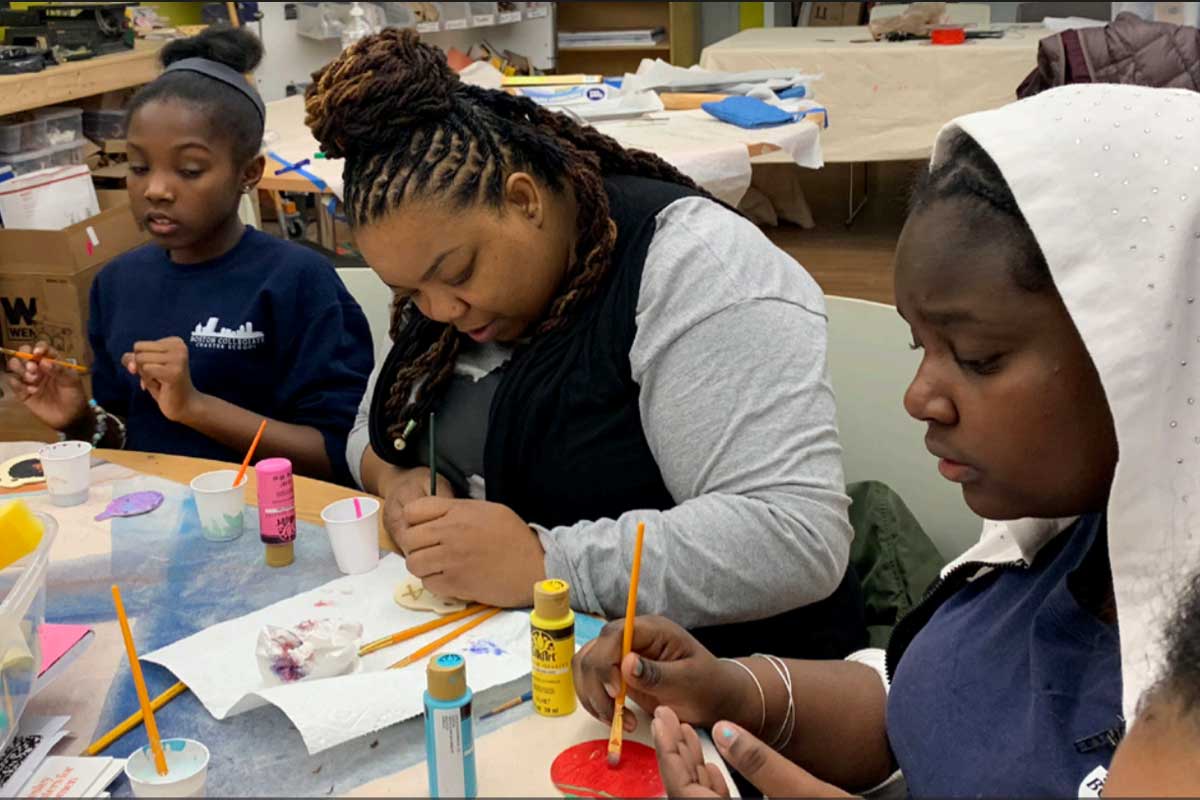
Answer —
(236, 48)
(368, 97)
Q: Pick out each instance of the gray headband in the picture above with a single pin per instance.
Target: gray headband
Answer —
(225, 74)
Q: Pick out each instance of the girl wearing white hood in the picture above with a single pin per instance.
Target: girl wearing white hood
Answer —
(1049, 272)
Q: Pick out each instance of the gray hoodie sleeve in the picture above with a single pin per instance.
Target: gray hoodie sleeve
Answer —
(738, 411)
(360, 435)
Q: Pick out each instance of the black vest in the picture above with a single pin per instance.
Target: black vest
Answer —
(565, 439)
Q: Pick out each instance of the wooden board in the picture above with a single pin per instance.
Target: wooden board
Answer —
(66, 82)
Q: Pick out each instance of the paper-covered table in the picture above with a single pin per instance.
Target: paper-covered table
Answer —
(291, 740)
(887, 100)
(714, 154)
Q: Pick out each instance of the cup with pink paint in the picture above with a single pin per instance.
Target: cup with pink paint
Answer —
(353, 527)
(68, 470)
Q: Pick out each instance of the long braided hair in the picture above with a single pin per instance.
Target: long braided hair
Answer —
(409, 130)
(968, 171)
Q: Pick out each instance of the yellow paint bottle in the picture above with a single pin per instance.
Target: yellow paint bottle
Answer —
(552, 629)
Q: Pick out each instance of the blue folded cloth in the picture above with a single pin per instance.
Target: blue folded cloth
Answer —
(792, 92)
(748, 112)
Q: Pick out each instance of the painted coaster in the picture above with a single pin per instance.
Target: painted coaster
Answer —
(583, 771)
(21, 471)
(132, 505)
(411, 594)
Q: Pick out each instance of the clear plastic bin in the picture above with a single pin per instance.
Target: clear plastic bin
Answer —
(100, 126)
(22, 612)
(60, 156)
(18, 134)
(63, 124)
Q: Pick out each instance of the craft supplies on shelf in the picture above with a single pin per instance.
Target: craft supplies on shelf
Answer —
(552, 642)
(449, 734)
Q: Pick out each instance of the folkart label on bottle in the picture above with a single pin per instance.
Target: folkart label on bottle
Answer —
(277, 509)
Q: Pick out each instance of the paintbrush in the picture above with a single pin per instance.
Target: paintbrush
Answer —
(614, 736)
(262, 426)
(42, 359)
(139, 684)
(434, 646)
(417, 630)
(432, 458)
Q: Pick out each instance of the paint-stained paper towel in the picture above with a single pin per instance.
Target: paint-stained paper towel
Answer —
(220, 667)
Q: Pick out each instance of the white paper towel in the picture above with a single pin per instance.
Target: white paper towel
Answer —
(220, 667)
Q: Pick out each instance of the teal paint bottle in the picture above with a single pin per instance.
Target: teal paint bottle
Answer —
(449, 728)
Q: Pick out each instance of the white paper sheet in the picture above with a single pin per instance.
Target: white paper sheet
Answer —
(219, 665)
(660, 76)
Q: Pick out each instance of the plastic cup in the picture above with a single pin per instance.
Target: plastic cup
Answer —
(187, 770)
(68, 470)
(220, 503)
(355, 540)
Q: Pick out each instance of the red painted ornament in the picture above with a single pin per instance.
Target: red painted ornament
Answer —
(583, 771)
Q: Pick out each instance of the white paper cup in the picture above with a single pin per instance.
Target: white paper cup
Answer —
(187, 770)
(68, 470)
(355, 540)
(220, 503)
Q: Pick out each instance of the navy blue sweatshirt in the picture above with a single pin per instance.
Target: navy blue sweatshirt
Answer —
(269, 327)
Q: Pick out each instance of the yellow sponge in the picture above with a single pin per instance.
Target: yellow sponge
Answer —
(20, 532)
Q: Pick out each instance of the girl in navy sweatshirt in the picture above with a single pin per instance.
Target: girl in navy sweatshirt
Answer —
(214, 325)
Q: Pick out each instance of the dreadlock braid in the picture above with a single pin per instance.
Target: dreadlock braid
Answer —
(968, 171)
(409, 130)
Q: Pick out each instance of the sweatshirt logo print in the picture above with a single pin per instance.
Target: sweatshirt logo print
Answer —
(208, 336)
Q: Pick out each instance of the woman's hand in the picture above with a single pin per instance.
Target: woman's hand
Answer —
(402, 487)
(472, 550)
(54, 394)
(667, 666)
(163, 369)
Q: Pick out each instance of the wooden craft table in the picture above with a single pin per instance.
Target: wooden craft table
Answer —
(311, 495)
(514, 749)
(76, 79)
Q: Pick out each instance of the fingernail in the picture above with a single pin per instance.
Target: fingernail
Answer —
(726, 734)
(638, 668)
(610, 690)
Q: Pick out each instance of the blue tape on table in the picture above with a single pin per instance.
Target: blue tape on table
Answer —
(317, 182)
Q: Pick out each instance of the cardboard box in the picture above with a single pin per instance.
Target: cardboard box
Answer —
(48, 200)
(836, 14)
(45, 276)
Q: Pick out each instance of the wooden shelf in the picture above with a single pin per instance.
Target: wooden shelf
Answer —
(76, 79)
(664, 47)
(680, 21)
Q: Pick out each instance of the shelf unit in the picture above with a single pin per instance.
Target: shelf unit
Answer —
(680, 20)
(75, 79)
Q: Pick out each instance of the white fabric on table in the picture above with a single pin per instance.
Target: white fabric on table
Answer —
(887, 100)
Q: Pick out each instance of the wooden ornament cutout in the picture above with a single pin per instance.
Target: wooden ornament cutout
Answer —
(413, 594)
(21, 471)
(583, 771)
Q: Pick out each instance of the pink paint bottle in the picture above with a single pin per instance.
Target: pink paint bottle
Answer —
(276, 510)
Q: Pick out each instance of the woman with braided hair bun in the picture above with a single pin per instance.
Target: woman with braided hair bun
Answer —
(603, 344)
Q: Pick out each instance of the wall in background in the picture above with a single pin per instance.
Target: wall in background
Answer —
(291, 57)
